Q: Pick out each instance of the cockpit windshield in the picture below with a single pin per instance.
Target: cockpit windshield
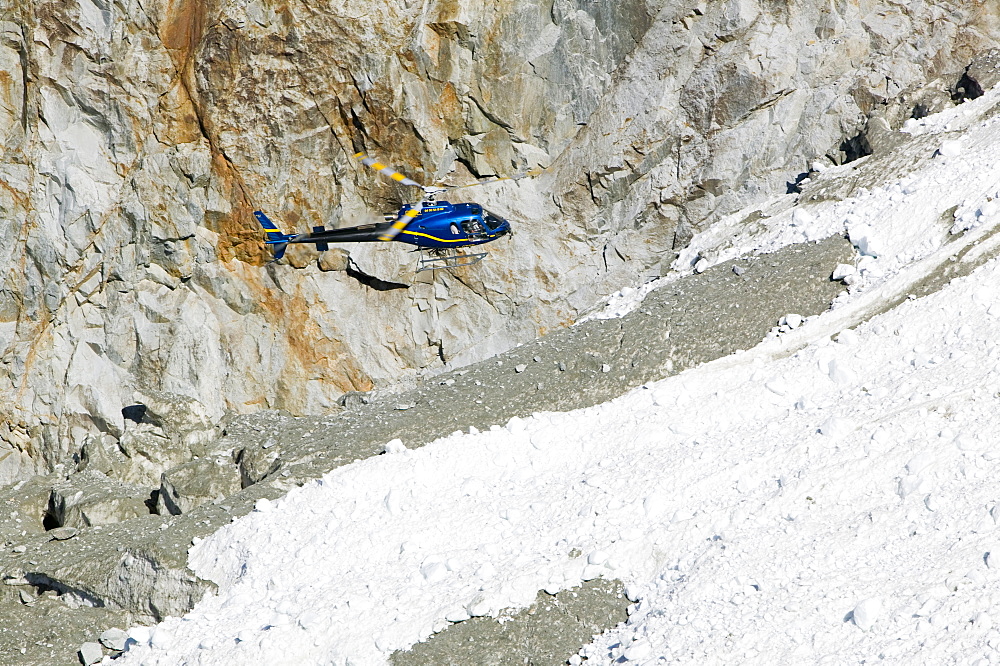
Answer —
(492, 220)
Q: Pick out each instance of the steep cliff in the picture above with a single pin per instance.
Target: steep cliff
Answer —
(137, 138)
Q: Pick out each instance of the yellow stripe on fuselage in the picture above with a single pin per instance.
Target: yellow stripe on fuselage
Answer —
(442, 240)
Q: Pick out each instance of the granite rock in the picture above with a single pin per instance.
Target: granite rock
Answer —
(192, 484)
(91, 498)
(91, 653)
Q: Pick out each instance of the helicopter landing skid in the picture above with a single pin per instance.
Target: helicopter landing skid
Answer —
(434, 259)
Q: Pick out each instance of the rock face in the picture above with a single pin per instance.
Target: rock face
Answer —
(138, 137)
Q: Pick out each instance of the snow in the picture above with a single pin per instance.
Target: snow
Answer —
(623, 301)
(828, 496)
(950, 149)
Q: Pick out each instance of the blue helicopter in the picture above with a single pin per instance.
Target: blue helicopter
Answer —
(439, 229)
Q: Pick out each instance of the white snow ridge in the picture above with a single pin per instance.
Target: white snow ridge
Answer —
(835, 505)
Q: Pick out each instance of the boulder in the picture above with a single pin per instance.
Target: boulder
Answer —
(91, 653)
(260, 461)
(114, 639)
(101, 453)
(23, 506)
(91, 498)
(334, 259)
(62, 533)
(163, 430)
(186, 486)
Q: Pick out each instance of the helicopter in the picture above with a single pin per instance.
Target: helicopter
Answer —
(439, 229)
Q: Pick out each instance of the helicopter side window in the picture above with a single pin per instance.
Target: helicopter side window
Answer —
(472, 226)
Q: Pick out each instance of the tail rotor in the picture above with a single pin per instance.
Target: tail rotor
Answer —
(276, 238)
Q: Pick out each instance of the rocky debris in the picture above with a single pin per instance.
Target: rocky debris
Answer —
(687, 322)
(547, 633)
(192, 484)
(334, 259)
(91, 498)
(907, 153)
(48, 631)
(139, 567)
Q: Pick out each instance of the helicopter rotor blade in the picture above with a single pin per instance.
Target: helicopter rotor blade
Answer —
(431, 190)
(402, 222)
(530, 173)
(383, 169)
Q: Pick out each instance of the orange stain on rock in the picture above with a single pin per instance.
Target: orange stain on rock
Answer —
(182, 32)
(450, 111)
(183, 27)
(311, 354)
(179, 116)
(234, 241)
